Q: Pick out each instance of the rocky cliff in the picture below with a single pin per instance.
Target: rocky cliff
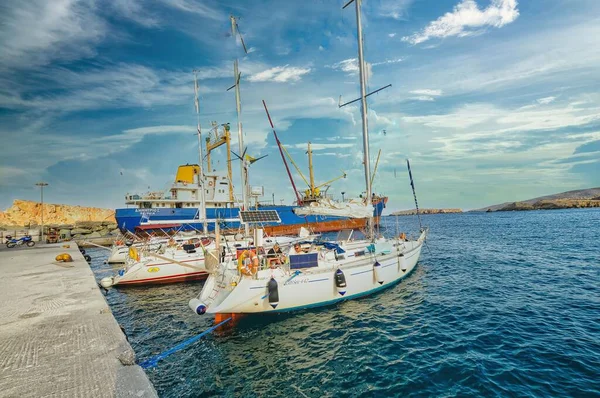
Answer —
(425, 211)
(577, 197)
(24, 212)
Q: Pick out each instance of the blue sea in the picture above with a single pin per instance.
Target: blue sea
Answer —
(501, 304)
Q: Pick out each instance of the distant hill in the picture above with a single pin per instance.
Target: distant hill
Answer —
(578, 198)
(425, 211)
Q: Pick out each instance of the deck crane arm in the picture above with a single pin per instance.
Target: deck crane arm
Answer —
(294, 163)
(332, 180)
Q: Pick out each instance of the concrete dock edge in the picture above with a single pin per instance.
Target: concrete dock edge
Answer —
(58, 336)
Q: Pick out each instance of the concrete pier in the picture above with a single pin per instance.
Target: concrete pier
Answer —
(58, 336)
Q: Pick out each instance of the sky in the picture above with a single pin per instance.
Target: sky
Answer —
(491, 100)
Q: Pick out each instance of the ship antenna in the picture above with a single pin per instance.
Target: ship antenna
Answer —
(201, 176)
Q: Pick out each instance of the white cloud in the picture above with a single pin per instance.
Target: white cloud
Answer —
(35, 33)
(136, 11)
(395, 9)
(321, 147)
(196, 7)
(426, 94)
(388, 61)
(280, 74)
(349, 65)
(546, 100)
(391, 35)
(141, 131)
(466, 17)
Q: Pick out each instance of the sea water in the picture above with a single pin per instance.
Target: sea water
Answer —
(500, 304)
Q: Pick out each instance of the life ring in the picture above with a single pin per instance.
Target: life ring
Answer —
(248, 267)
(133, 253)
(210, 183)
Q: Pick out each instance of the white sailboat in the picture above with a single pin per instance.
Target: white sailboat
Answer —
(316, 274)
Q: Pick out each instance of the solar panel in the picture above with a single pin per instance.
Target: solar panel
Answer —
(259, 216)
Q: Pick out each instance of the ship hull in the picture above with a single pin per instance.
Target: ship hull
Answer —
(129, 218)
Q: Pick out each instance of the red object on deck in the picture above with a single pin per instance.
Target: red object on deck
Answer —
(156, 226)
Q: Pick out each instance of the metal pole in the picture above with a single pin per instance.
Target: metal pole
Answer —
(42, 184)
(200, 155)
(310, 170)
(363, 93)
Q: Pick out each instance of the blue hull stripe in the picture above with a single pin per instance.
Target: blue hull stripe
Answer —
(362, 272)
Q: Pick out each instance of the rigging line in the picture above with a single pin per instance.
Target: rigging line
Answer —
(152, 362)
(412, 184)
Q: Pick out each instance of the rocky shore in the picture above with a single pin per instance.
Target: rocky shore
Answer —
(552, 204)
(70, 222)
(425, 211)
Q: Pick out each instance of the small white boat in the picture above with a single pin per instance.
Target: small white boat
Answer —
(182, 263)
(120, 250)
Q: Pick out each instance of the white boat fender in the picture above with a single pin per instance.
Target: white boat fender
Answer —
(107, 282)
(273, 293)
(402, 262)
(197, 306)
(377, 272)
(340, 282)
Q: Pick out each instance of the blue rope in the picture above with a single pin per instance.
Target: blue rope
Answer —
(152, 362)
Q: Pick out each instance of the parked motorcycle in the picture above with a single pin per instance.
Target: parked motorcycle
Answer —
(12, 242)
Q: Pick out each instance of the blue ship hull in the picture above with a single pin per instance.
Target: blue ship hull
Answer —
(130, 218)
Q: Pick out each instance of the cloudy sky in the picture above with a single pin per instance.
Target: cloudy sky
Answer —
(491, 100)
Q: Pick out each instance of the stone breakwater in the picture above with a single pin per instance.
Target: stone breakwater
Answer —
(425, 211)
(102, 233)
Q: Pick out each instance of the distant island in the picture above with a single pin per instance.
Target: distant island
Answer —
(425, 211)
(581, 198)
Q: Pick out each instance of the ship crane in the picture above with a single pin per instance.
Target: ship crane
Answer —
(213, 142)
(313, 192)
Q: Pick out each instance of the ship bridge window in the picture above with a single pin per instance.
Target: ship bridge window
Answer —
(146, 205)
(178, 205)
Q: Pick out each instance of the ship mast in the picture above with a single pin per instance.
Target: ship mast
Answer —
(238, 108)
(200, 155)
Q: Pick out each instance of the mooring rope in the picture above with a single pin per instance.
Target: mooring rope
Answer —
(152, 362)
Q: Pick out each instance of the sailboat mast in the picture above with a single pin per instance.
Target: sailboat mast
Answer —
(238, 108)
(363, 101)
(200, 155)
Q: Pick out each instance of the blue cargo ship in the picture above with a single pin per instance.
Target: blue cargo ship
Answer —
(181, 205)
